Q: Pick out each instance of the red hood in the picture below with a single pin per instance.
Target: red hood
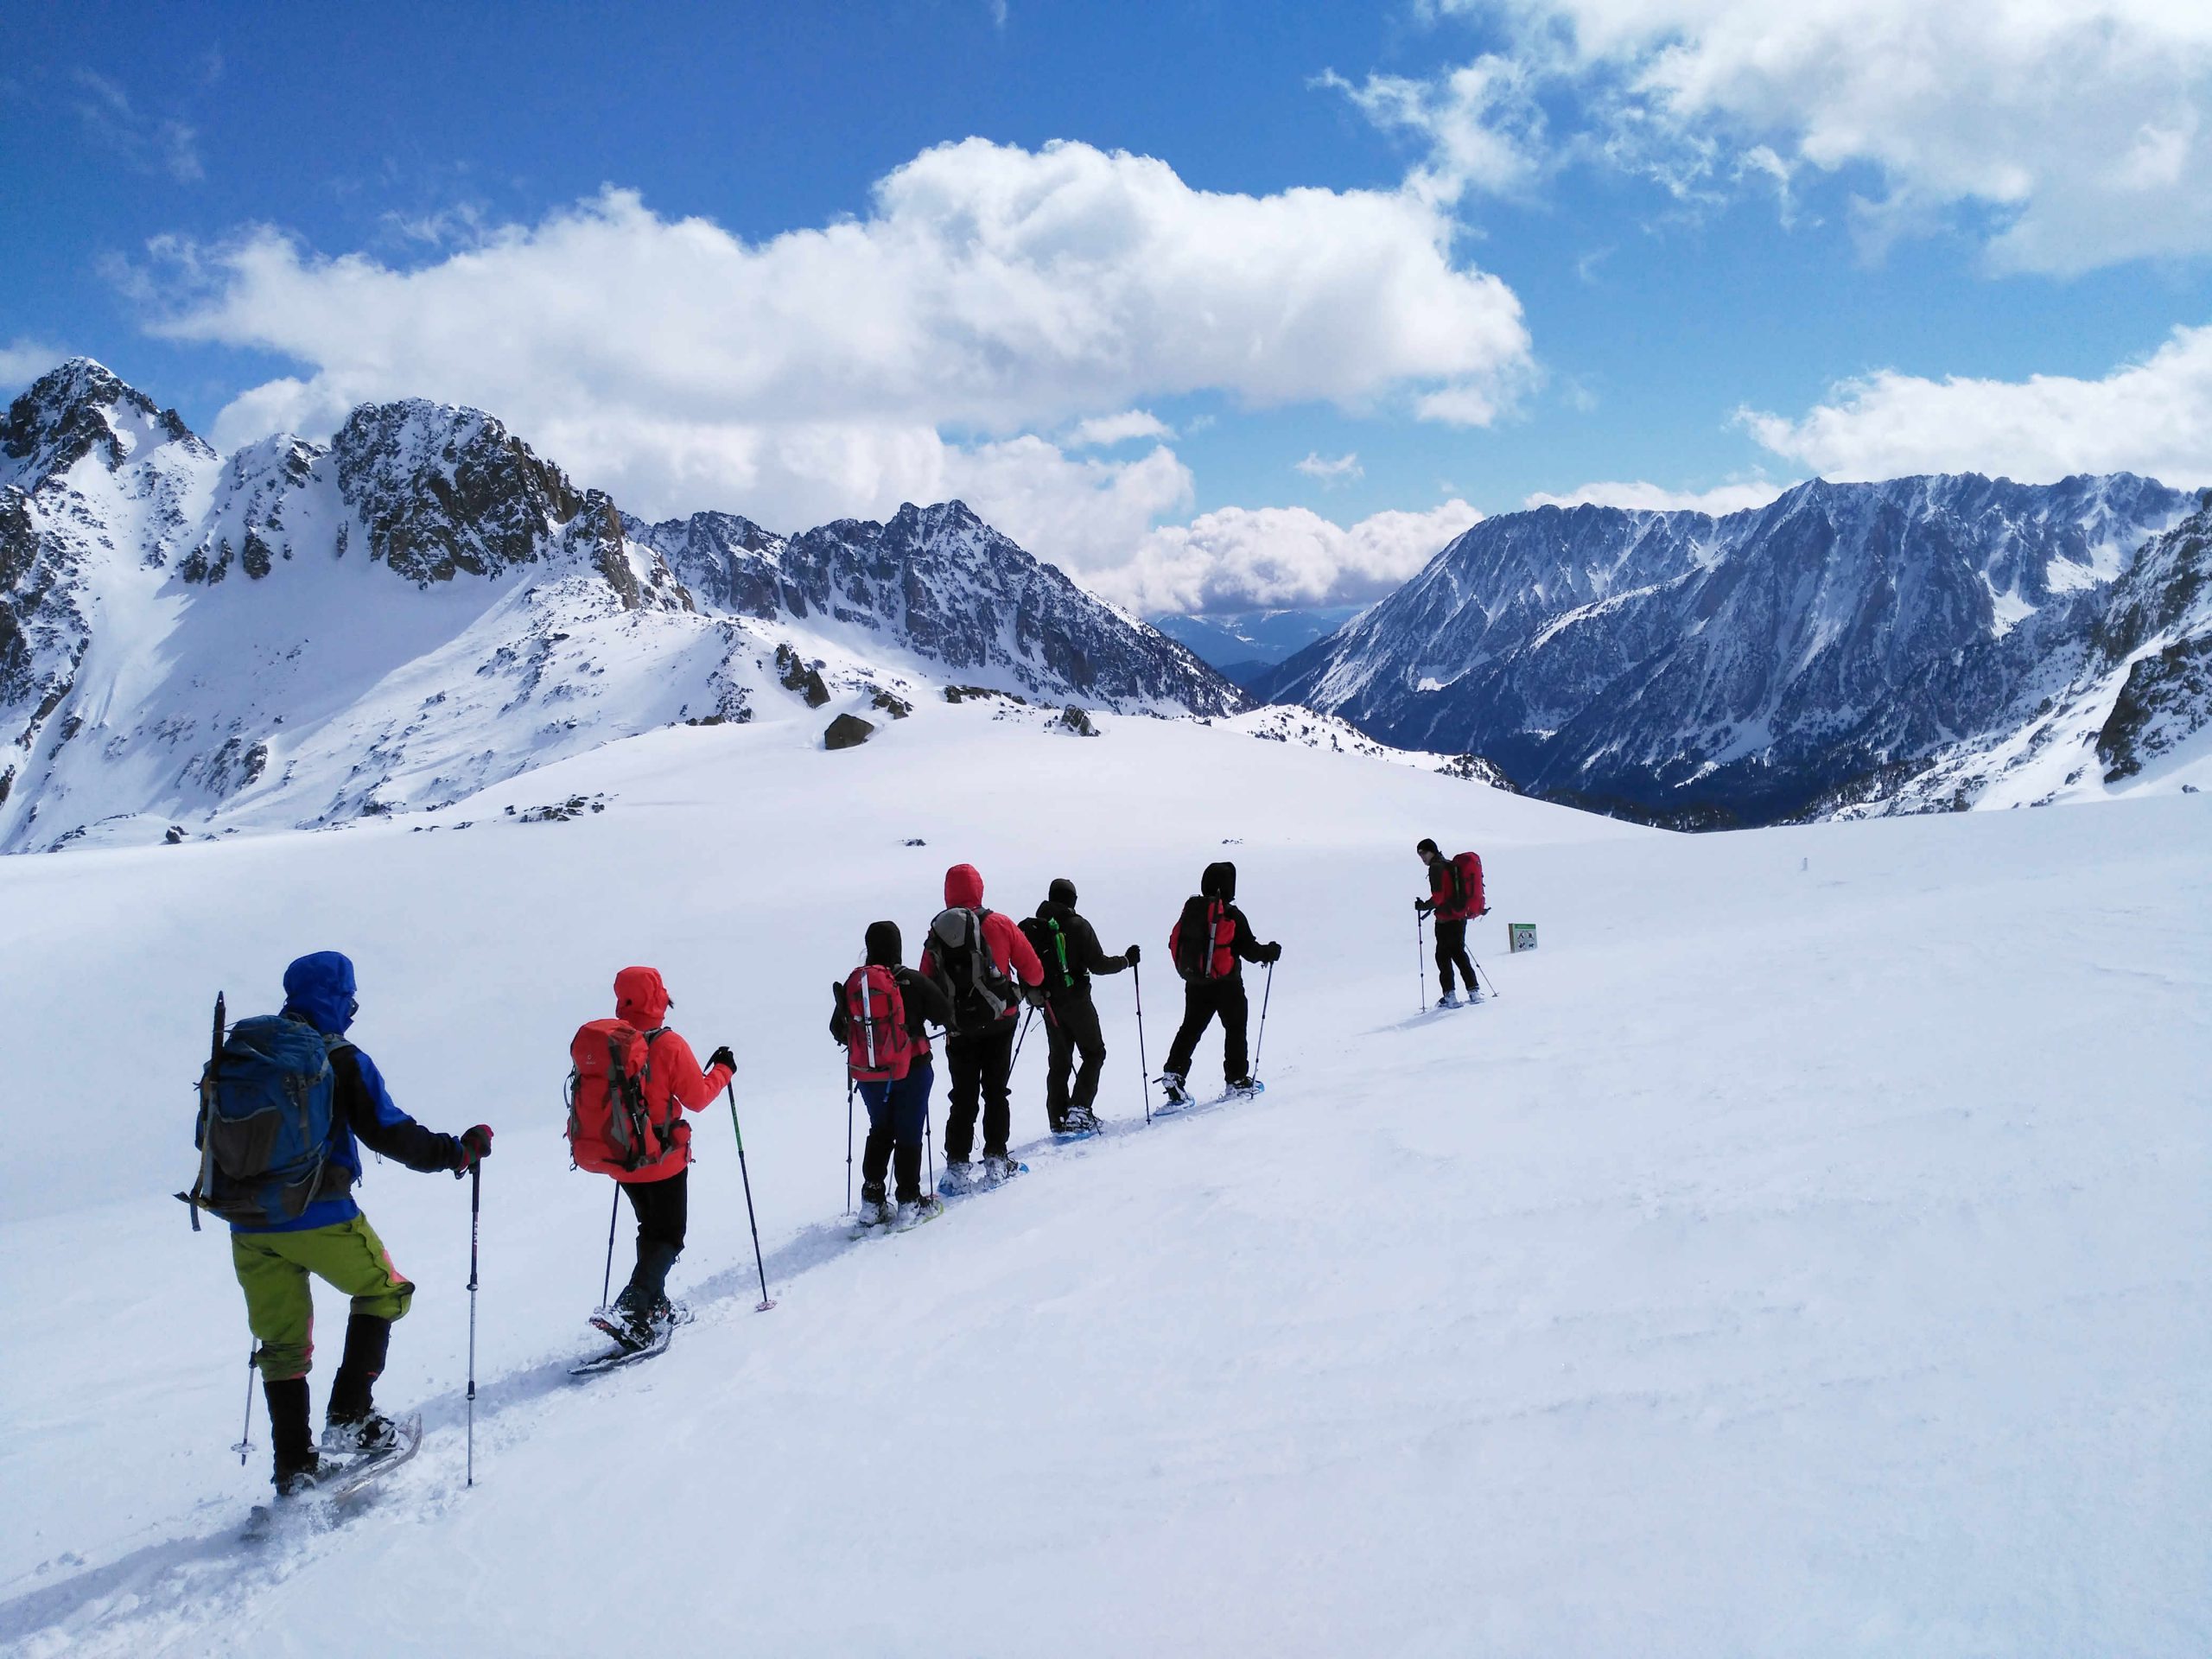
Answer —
(963, 887)
(640, 998)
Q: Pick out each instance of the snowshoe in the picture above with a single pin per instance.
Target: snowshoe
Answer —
(959, 1178)
(1001, 1169)
(1172, 1085)
(1077, 1125)
(369, 1436)
(1449, 1000)
(914, 1211)
(630, 1329)
(1243, 1088)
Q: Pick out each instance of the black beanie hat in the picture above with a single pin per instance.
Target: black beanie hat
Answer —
(884, 944)
(1426, 848)
(1061, 892)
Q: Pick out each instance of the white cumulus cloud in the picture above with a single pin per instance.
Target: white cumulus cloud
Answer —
(2077, 133)
(1105, 431)
(1244, 558)
(990, 291)
(1331, 469)
(2153, 416)
(1722, 499)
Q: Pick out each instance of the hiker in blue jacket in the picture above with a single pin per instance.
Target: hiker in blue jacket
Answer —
(333, 1240)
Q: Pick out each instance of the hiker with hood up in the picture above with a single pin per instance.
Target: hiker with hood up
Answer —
(1209, 942)
(657, 1188)
(331, 1239)
(976, 956)
(883, 1013)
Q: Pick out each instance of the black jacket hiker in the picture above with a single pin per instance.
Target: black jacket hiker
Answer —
(1215, 986)
(1069, 948)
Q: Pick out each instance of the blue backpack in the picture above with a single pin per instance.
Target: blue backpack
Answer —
(263, 1132)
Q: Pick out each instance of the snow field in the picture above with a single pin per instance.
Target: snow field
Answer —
(1790, 1259)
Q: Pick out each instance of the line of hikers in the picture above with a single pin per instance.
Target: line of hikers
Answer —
(287, 1100)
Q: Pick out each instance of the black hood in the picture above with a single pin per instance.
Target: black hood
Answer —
(884, 944)
(1219, 882)
(1061, 892)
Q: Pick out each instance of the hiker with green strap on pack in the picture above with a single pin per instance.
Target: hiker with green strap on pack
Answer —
(1068, 946)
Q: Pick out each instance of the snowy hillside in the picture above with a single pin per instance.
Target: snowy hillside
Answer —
(1772, 1267)
(297, 635)
(1709, 671)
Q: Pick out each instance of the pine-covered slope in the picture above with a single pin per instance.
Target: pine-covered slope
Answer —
(1741, 668)
(302, 634)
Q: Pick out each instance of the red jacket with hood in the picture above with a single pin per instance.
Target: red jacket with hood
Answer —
(1010, 952)
(673, 1075)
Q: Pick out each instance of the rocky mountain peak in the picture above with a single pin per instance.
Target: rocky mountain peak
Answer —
(81, 408)
(445, 491)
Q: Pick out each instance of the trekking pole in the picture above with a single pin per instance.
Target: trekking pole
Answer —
(1421, 959)
(1264, 995)
(928, 1145)
(1144, 1066)
(1027, 1010)
(475, 1209)
(245, 1433)
(767, 1301)
(1480, 969)
(848, 1143)
(606, 1278)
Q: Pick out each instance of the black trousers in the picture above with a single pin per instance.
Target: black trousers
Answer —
(1450, 947)
(979, 1064)
(1073, 1030)
(661, 1208)
(1202, 999)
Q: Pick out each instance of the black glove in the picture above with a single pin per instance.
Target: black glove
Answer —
(476, 1147)
(1033, 995)
(1271, 953)
(1133, 955)
(1424, 906)
(721, 1057)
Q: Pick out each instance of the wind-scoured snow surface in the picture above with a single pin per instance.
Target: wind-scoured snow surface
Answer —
(1807, 1252)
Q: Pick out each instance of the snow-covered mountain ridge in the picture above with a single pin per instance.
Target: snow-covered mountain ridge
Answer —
(1743, 668)
(300, 634)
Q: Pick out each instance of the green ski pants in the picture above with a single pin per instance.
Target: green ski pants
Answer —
(273, 1269)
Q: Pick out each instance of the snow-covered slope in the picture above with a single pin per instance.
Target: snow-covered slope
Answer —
(1772, 1267)
(1714, 670)
(300, 635)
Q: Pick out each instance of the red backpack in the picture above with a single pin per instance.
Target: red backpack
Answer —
(878, 1046)
(611, 1130)
(1202, 941)
(1467, 876)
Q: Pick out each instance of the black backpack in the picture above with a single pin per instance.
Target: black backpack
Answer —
(1050, 941)
(979, 993)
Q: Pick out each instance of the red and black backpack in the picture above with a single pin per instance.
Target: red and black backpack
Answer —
(611, 1127)
(878, 1046)
(1202, 941)
(1467, 883)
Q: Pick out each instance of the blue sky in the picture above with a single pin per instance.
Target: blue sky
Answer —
(1531, 248)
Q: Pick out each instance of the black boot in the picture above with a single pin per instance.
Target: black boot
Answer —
(352, 1423)
(297, 1464)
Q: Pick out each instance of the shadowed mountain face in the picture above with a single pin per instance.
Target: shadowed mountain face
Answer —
(1734, 669)
(302, 633)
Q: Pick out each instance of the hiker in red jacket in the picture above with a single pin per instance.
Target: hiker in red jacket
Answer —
(656, 1191)
(977, 957)
(1455, 895)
